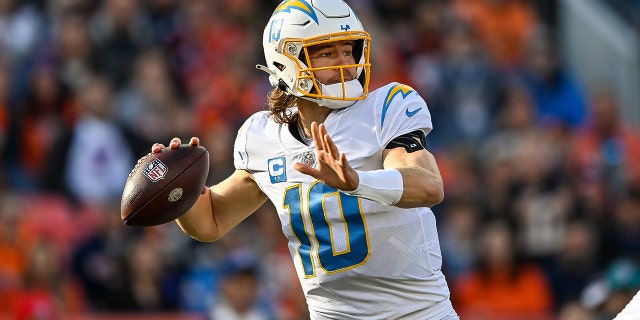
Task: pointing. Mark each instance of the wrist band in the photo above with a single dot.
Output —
(384, 186)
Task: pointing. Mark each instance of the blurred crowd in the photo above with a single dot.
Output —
(541, 218)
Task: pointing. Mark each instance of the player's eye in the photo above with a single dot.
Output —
(322, 53)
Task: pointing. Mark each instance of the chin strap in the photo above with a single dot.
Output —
(273, 78)
(352, 89)
(265, 69)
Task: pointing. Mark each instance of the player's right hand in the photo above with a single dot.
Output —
(174, 143)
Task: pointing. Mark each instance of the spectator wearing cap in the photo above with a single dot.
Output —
(239, 289)
(502, 284)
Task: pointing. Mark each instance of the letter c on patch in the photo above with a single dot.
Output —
(277, 169)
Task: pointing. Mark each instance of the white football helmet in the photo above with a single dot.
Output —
(296, 25)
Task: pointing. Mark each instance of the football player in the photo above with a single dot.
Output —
(347, 170)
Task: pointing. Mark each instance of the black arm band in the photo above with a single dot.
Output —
(412, 141)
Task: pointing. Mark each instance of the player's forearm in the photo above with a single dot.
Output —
(198, 222)
(404, 187)
(422, 188)
(421, 181)
(223, 207)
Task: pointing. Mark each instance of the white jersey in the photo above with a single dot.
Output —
(355, 258)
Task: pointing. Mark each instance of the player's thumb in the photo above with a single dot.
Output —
(303, 168)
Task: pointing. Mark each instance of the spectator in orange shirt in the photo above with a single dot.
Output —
(605, 154)
(16, 242)
(503, 26)
(48, 291)
(43, 115)
(502, 286)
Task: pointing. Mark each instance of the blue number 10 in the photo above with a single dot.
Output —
(322, 228)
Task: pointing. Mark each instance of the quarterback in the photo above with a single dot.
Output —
(346, 169)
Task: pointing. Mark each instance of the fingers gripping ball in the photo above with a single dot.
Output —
(163, 186)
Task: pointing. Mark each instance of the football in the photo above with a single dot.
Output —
(162, 186)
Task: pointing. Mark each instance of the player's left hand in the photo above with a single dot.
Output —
(333, 168)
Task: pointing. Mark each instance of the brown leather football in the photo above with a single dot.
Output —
(163, 186)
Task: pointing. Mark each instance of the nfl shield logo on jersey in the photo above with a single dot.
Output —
(156, 170)
(307, 157)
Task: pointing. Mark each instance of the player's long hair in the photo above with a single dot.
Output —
(281, 106)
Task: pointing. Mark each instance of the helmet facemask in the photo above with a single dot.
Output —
(350, 88)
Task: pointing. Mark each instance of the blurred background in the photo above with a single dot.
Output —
(536, 112)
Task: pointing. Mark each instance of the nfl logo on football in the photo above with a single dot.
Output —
(156, 170)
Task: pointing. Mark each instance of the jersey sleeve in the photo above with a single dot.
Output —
(251, 142)
(240, 154)
(400, 110)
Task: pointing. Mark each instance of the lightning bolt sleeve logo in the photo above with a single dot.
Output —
(401, 89)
